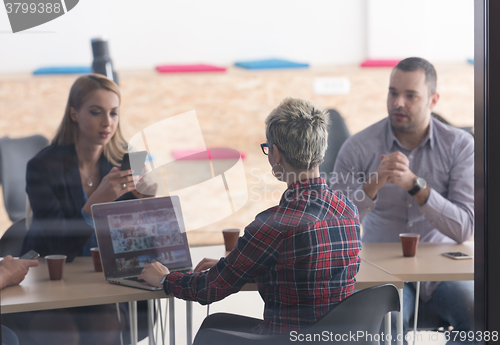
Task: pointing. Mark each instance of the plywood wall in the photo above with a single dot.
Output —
(231, 108)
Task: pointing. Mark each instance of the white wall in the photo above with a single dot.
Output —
(145, 33)
(149, 32)
(435, 29)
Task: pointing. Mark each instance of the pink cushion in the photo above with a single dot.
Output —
(213, 153)
(379, 63)
(189, 68)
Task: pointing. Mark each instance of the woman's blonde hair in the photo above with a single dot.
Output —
(300, 132)
(67, 133)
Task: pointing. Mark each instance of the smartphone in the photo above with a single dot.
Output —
(138, 161)
(457, 255)
(30, 255)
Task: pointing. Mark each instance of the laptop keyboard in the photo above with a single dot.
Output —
(135, 279)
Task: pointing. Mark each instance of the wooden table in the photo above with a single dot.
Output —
(80, 286)
(427, 265)
(368, 275)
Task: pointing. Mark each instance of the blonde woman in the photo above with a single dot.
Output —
(78, 170)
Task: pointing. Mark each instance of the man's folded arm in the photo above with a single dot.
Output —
(454, 215)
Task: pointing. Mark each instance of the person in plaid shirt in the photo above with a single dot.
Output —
(302, 253)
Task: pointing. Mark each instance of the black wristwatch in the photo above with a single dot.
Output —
(420, 183)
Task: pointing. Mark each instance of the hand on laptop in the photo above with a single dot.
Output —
(153, 273)
(205, 264)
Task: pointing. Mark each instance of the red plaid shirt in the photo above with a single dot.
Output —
(302, 253)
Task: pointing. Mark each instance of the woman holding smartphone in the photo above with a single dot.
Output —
(80, 168)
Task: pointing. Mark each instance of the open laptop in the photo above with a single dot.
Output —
(134, 233)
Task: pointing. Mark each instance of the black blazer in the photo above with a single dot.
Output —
(55, 192)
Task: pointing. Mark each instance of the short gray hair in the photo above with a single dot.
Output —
(299, 130)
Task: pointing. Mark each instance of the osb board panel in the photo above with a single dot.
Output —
(231, 108)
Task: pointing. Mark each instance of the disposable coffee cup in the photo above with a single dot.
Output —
(96, 256)
(55, 263)
(409, 243)
(230, 238)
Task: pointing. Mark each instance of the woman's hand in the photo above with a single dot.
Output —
(116, 183)
(112, 186)
(153, 273)
(205, 264)
(145, 187)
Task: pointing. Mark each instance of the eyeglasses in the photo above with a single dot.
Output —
(265, 148)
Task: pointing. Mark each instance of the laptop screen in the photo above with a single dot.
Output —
(134, 233)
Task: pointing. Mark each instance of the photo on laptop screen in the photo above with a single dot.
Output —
(134, 233)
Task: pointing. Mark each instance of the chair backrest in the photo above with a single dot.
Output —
(337, 134)
(12, 240)
(438, 117)
(363, 312)
(14, 156)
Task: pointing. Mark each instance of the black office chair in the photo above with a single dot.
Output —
(443, 120)
(12, 240)
(362, 311)
(14, 156)
(337, 134)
